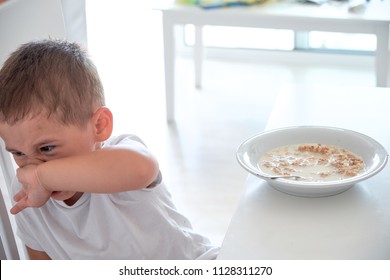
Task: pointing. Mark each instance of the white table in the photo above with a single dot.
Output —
(269, 224)
(278, 14)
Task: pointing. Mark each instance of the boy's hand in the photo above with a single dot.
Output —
(32, 194)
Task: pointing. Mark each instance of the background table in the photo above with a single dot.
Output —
(269, 224)
(278, 14)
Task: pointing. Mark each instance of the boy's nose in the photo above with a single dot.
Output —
(35, 160)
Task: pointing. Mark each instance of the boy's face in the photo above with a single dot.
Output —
(37, 140)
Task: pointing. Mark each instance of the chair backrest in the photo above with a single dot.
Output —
(25, 20)
(8, 249)
(22, 21)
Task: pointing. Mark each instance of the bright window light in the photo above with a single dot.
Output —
(342, 41)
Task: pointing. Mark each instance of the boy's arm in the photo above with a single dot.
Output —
(108, 170)
(114, 169)
(37, 255)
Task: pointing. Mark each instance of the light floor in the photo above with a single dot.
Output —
(197, 152)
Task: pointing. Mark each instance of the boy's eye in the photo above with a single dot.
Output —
(47, 149)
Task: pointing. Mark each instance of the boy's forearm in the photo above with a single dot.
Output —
(103, 171)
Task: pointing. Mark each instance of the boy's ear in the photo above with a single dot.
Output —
(103, 124)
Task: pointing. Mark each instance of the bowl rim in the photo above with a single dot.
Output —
(304, 184)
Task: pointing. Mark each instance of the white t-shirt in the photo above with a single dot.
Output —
(141, 224)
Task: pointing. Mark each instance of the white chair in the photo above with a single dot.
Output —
(8, 249)
(75, 19)
(22, 21)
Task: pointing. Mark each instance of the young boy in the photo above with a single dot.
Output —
(80, 193)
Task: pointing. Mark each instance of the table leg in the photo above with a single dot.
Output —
(198, 55)
(382, 59)
(169, 66)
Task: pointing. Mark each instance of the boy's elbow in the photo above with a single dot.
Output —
(138, 169)
(149, 173)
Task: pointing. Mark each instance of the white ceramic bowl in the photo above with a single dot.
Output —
(373, 153)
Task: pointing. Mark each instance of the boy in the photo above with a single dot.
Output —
(80, 193)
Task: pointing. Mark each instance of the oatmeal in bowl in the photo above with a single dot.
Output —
(326, 160)
(312, 162)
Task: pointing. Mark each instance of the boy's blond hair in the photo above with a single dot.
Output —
(52, 77)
